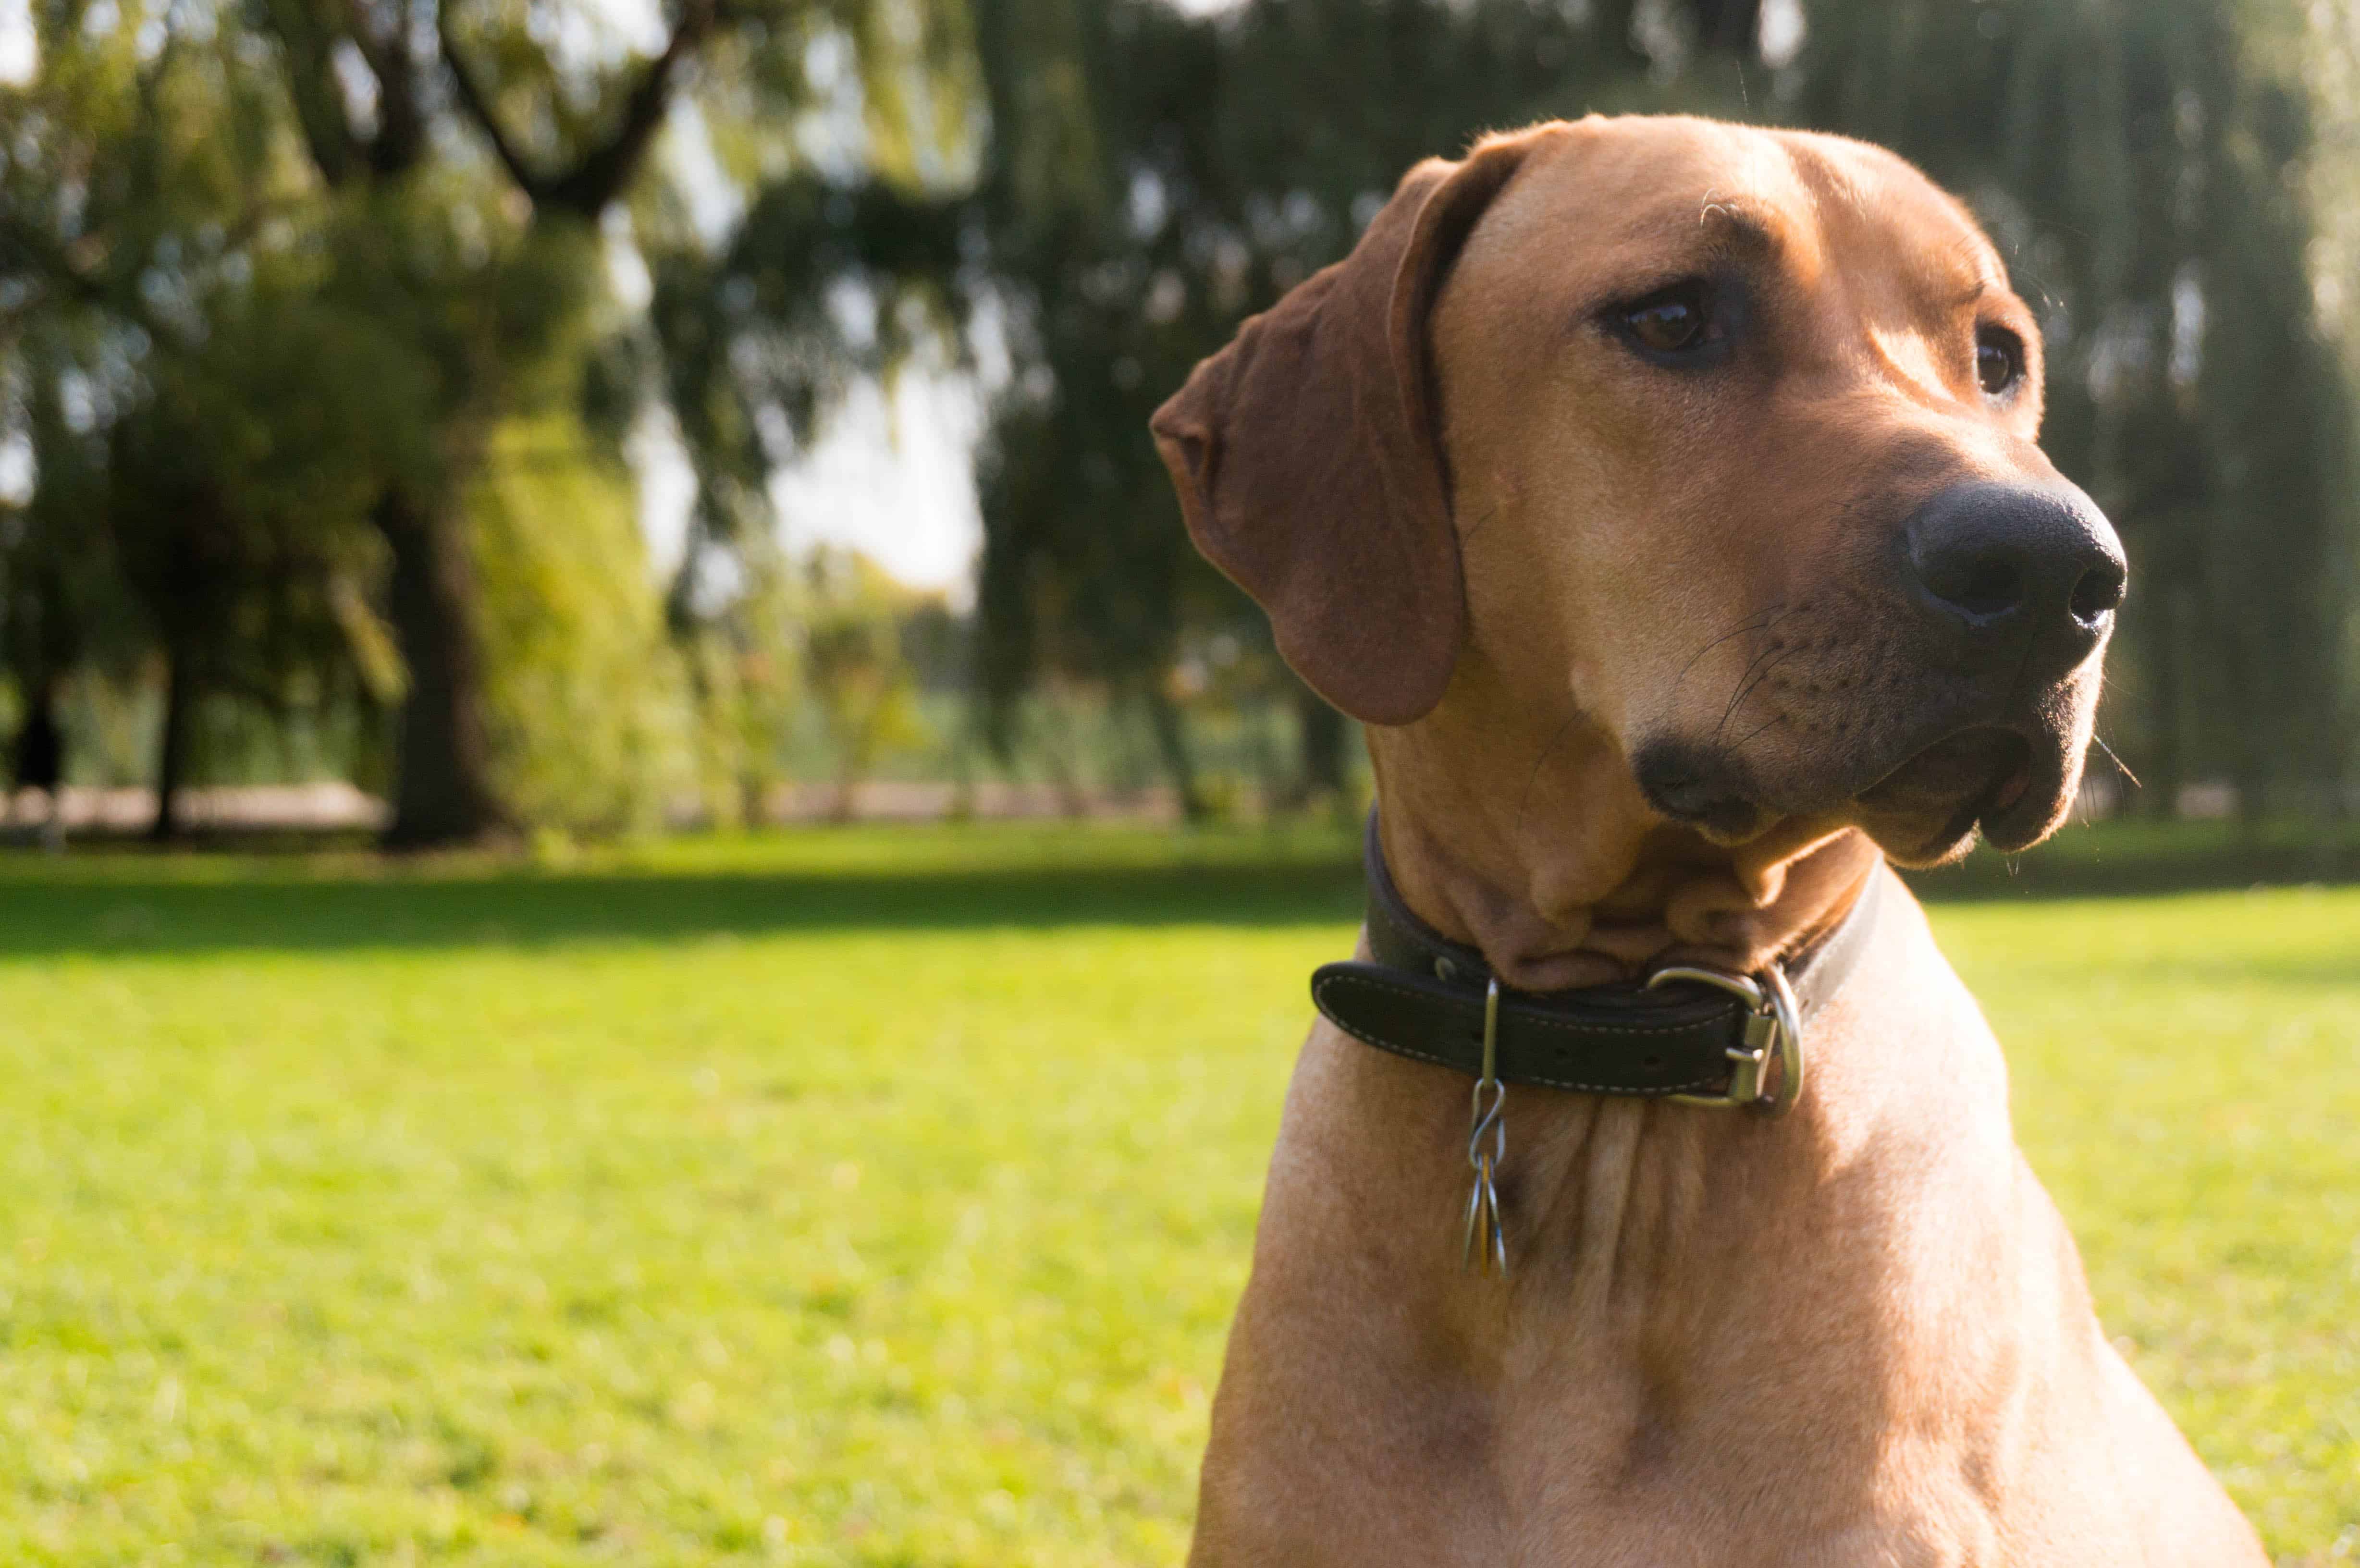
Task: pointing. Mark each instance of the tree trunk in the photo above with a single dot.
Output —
(1165, 718)
(40, 750)
(2251, 769)
(40, 759)
(1324, 736)
(2167, 771)
(844, 807)
(442, 791)
(1729, 25)
(172, 748)
(1073, 800)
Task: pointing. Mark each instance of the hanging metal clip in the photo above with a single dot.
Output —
(1485, 1251)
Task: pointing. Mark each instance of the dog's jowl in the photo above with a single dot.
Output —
(1665, 496)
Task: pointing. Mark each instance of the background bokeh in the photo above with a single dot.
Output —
(354, 351)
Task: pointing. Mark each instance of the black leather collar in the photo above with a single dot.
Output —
(1424, 996)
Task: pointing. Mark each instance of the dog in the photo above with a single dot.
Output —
(1663, 496)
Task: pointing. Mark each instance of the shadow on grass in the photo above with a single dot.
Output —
(132, 914)
(129, 904)
(2133, 860)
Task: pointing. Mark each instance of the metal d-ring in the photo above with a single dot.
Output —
(1485, 1248)
(1774, 1029)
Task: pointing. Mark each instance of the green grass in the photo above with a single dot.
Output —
(880, 1198)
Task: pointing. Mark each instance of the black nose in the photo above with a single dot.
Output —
(2013, 566)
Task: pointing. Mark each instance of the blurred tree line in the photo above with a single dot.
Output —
(327, 329)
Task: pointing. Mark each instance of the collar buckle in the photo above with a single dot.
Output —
(1774, 1032)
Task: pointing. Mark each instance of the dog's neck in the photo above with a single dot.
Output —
(1544, 854)
(1556, 868)
(1632, 1227)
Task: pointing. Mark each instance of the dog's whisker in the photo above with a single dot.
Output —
(1760, 620)
(1756, 731)
(1744, 688)
(1757, 684)
(2100, 741)
(1751, 681)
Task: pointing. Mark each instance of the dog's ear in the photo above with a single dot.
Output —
(1309, 463)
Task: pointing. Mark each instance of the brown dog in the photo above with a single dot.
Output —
(1662, 493)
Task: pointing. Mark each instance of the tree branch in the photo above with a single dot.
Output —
(45, 258)
(318, 104)
(401, 129)
(478, 106)
(374, 48)
(600, 174)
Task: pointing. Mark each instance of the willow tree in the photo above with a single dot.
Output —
(1152, 177)
(2319, 47)
(492, 263)
(141, 166)
(2174, 180)
(445, 173)
(237, 516)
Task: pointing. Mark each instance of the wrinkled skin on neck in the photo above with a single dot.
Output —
(1516, 827)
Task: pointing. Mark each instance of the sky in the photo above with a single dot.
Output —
(894, 477)
(891, 471)
(18, 54)
(891, 475)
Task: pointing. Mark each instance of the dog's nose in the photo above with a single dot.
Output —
(2017, 568)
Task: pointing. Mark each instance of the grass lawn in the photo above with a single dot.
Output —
(882, 1198)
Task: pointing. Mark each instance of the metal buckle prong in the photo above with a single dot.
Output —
(1773, 1028)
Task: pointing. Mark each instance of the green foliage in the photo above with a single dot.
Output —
(2324, 55)
(587, 696)
(885, 1185)
(859, 676)
(744, 664)
(2177, 186)
(292, 263)
(754, 339)
(239, 490)
(275, 277)
(1155, 177)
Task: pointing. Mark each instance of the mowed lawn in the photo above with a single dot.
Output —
(882, 1198)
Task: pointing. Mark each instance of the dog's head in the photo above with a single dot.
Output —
(1720, 440)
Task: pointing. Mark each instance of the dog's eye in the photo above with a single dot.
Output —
(1674, 320)
(1999, 360)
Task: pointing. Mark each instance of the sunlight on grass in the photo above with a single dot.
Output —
(807, 1200)
(2184, 1084)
